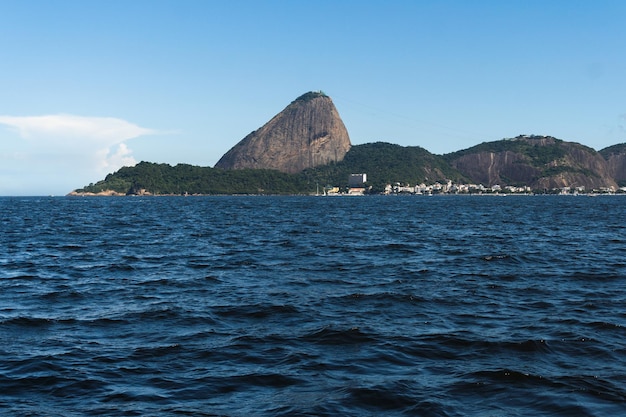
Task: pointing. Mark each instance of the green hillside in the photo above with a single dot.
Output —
(618, 149)
(542, 162)
(537, 155)
(183, 178)
(386, 163)
(383, 163)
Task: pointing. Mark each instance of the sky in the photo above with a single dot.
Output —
(87, 87)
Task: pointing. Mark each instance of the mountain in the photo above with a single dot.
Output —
(306, 146)
(616, 159)
(383, 162)
(306, 134)
(386, 163)
(541, 162)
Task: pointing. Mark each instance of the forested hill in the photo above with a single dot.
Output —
(164, 179)
(540, 162)
(386, 163)
(382, 162)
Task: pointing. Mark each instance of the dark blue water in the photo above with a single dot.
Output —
(239, 306)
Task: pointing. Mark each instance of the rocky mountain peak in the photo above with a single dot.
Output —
(307, 133)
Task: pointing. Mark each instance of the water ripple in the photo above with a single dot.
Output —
(236, 306)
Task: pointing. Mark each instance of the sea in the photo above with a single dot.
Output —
(313, 306)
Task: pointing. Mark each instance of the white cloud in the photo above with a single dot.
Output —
(84, 148)
(67, 128)
(122, 156)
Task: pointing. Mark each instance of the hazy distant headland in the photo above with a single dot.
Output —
(306, 148)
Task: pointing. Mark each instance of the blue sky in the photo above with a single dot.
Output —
(88, 86)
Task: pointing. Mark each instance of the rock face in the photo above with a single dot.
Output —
(542, 162)
(616, 159)
(307, 133)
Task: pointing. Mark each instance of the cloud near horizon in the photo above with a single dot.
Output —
(81, 146)
(68, 127)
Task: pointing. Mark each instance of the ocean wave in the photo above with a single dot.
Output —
(310, 306)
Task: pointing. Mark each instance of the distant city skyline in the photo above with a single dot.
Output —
(91, 86)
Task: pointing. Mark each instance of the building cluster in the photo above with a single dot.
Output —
(357, 186)
(450, 188)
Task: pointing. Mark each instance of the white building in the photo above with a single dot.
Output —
(357, 180)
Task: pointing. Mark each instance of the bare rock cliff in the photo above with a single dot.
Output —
(616, 159)
(307, 133)
(617, 167)
(492, 168)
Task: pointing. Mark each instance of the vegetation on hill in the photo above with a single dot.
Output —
(538, 154)
(618, 149)
(189, 179)
(310, 96)
(546, 154)
(384, 163)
